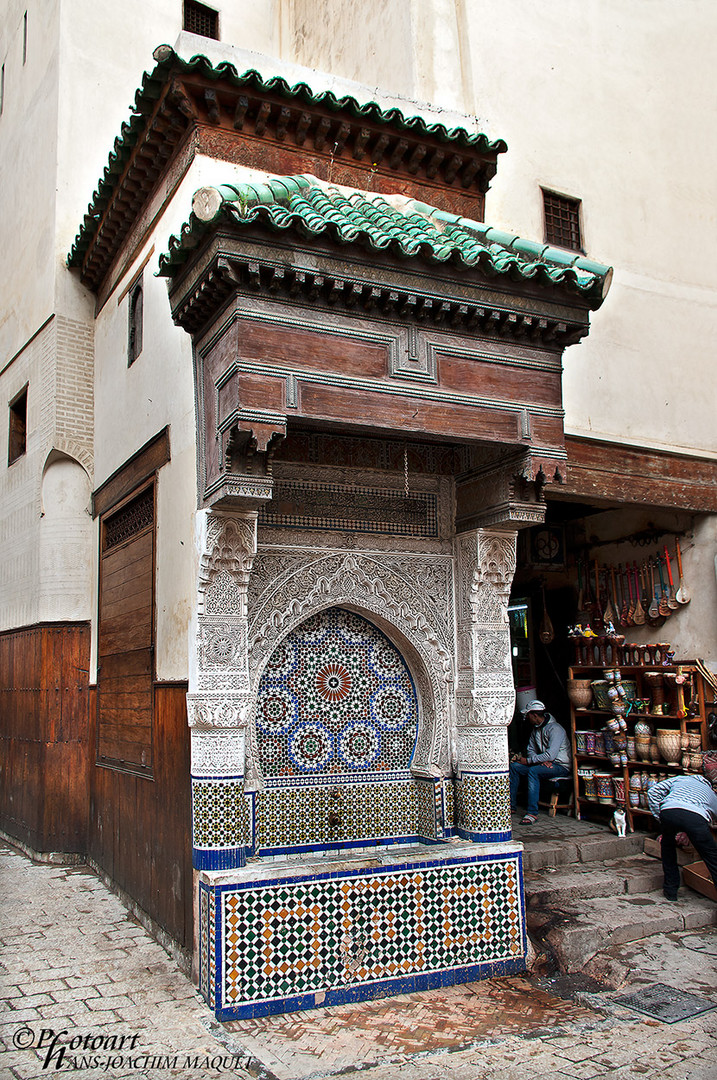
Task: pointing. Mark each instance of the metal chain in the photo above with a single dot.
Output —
(405, 468)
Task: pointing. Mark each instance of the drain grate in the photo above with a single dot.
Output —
(665, 1003)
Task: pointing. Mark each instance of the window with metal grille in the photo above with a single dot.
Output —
(17, 441)
(562, 221)
(199, 19)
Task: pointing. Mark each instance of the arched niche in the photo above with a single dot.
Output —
(334, 736)
(66, 548)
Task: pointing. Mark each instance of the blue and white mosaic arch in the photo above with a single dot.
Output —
(336, 698)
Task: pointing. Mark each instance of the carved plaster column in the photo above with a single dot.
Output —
(219, 702)
(485, 696)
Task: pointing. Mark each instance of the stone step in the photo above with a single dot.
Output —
(571, 850)
(575, 930)
(552, 885)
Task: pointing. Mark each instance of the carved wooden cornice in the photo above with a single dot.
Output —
(376, 290)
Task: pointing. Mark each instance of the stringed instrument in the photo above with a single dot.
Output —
(664, 597)
(627, 606)
(672, 601)
(610, 616)
(653, 610)
(638, 612)
(616, 596)
(681, 596)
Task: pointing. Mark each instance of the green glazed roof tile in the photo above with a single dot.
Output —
(402, 226)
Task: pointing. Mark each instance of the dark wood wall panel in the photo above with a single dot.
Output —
(140, 827)
(44, 732)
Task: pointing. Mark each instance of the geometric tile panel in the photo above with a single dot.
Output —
(298, 936)
(311, 816)
(449, 791)
(335, 698)
(483, 803)
(430, 810)
(221, 814)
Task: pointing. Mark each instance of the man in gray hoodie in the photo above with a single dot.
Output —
(547, 756)
(685, 804)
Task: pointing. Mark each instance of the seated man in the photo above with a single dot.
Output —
(548, 755)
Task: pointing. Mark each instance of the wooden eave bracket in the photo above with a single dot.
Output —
(194, 305)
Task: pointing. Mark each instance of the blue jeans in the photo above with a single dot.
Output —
(534, 774)
(678, 820)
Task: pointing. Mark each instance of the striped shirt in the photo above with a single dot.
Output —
(693, 793)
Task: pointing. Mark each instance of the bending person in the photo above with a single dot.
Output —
(685, 804)
(547, 756)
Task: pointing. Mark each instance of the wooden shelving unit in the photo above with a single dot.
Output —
(596, 719)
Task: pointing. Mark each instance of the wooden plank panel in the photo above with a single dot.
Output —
(396, 412)
(137, 585)
(127, 634)
(120, 560)
(300, 348)
(509, 382)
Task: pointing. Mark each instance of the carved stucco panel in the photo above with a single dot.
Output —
(483, 748)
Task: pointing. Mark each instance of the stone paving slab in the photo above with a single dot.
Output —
(65, 938)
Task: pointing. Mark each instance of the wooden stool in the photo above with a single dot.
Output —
(560, 786)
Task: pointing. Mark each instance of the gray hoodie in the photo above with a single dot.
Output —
(549, 742)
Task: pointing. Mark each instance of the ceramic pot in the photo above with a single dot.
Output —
(600, 744)
(696, 761)
(643, 728)
(642, 745)
(609, 741)
(684, 741)
(589, 742)
(600, 686)
(603, 783)
(695, 740)
(580, 695)
(618, 786)
(668, 742)
(590, 789)
(631, 750)
(580, 742)
(654, 749)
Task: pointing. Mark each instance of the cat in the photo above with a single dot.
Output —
(620, 821)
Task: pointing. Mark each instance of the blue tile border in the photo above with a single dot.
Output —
(408, 984)
(339, 845)
(219, 858)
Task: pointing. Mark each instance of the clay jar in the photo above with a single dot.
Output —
(580, 693)
(668, 742)
(642, 745)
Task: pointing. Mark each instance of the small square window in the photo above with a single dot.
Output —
(17, 441)
(134, 335)
(200, 19)
(562, 221)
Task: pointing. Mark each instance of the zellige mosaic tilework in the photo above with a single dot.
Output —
(336, 697)
(348, 933)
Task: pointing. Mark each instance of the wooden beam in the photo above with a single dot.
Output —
(606, 472)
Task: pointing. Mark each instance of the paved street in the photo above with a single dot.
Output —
(86, 990)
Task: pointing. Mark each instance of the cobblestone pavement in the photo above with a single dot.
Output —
(81, 977)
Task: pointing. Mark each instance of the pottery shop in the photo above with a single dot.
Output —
(608, 630)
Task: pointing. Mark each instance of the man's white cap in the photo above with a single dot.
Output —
(533, 706)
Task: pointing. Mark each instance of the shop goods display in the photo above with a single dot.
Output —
(646, 722)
